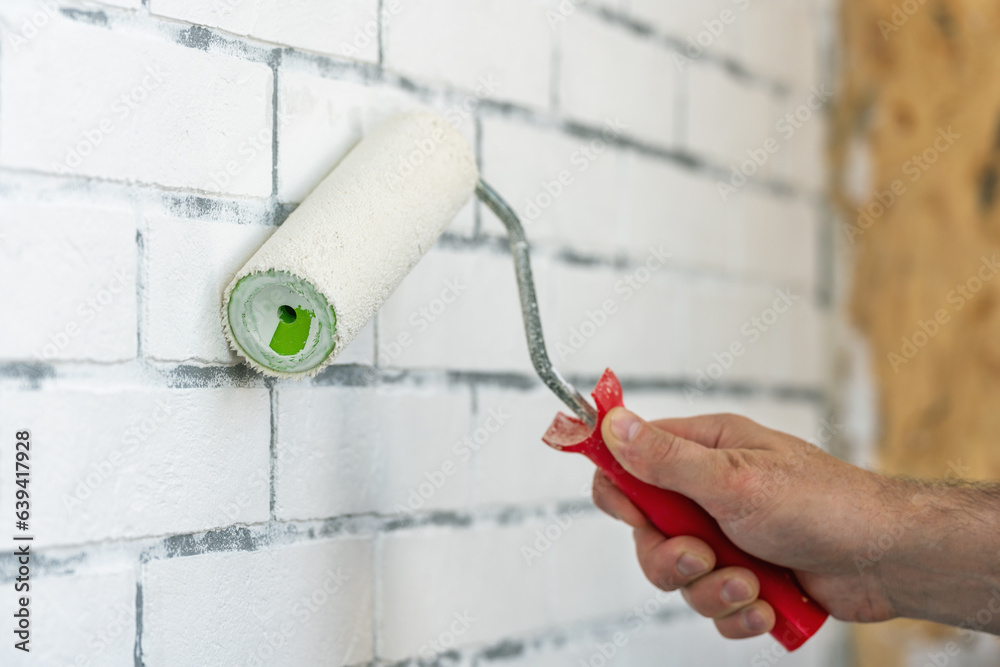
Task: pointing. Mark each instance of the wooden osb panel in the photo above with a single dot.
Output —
(912, 73)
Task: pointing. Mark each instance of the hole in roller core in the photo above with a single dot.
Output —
(286, 314)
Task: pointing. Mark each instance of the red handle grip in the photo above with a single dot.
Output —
(798, 616)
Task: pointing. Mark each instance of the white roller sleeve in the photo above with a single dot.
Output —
(354, 238)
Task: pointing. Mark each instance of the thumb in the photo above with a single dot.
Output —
(659, 457)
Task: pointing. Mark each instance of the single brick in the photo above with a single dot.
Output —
(345, 450)
(490, 48)
(306, 604)
(74, 268)
(483, 588)
(187, 460)
(342, 28)
(609, 75)
(77, 619)
(87, 101)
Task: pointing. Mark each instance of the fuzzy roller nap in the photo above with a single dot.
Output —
(324, 273)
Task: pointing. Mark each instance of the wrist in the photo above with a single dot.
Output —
(940, 556)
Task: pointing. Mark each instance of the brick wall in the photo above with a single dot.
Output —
(400, 506)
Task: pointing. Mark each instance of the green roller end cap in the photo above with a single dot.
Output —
(292, 332)
(281, 322)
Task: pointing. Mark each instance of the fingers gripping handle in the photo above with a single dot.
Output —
(798, 616)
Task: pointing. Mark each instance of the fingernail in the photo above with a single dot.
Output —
(625, 425)
(689, 565)
(754, 620)
(736, 590)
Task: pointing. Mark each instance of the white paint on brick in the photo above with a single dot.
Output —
(792, 59)
(726, 116)
(188, 264)
(610, 75)
(602, 321)
(515, 466)
(78, 619)
(346, 450)
(134, 462)
(596, 548)
(668, 205)
(475, 573)
(341, 28)
(136, 109)
(565, 190)
(307, 604)
(481, 329)
(477, 45)
(779, 239)
(71, 277)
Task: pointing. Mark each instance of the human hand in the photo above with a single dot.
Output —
(774, 495)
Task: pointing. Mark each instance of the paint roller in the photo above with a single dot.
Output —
(311, 288)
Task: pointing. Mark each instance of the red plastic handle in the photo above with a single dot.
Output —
(798, 616)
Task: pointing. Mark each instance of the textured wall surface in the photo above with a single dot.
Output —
(916, 162)
(667, 160)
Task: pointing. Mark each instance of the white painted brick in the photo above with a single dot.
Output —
(779, 239)
(713, 26)
(726, 116)
(482, 329)
(644, 331)
(348, 450)
(792, 59)
(679, 642)
(515, 466)
(188, 264)
(79, 619)
(477, 571)
(306, 604)
(799, 419)
(137, 462)
(342, 28)
(596, 572)
(564, 189)
(500, 49)
(74, 268)
(681, 210)
(320, 120)
(144, 110)
(609, 75)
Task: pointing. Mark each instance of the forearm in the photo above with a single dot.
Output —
(943, 563)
